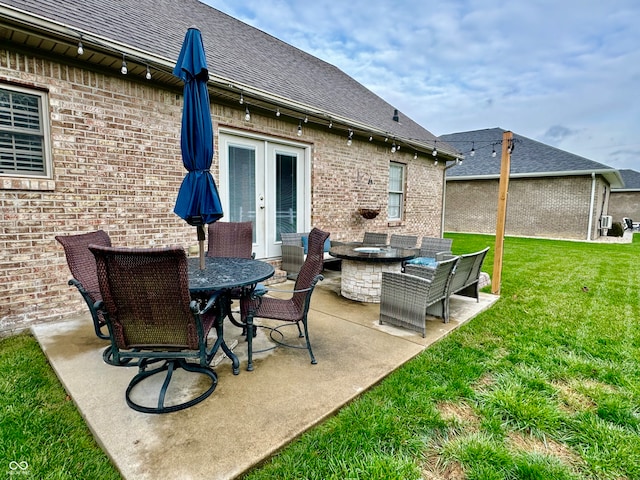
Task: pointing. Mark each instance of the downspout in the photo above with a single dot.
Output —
(591, 202)
(444, 192)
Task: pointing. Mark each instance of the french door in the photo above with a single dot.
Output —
(266, 182)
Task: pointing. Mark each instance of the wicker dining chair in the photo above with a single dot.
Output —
(230, 239)
(152, 318)
(82, 265)
(403, 241)
(294, 309)
(374, 238)
(406, 298)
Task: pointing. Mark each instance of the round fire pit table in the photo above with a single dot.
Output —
(362, 267)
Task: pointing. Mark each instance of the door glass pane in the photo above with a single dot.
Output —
(242, 185)
(286, 194)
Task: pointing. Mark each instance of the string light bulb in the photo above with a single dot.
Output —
(299, 129)
(473, 149)
(393, 147)
(349, 138)
(241, 99)
(306, 119)
(124, 70)
(278, 112)
(493, 152)
(371, 138)
(247, 115)
(148, 74)
(330, 123)
(415, 155)
(80, 48)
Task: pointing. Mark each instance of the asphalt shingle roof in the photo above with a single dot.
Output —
(529, 157)
(235, 51)
(631, 180)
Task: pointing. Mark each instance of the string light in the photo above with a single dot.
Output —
(435, 150)
(247, 115)
(278, 112)
(349, 141)
(124, 69)
(330, 123)
(473, 149)
(80, 48)
(306, 119)
(393, 147)
(148, 74)
(371, 138)
(241, 99)
(415, 155)
(299, 128)
(493, 152)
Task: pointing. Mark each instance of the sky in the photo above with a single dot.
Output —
(566, 73)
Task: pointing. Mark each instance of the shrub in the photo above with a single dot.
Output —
(616, 230)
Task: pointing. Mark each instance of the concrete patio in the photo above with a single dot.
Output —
(250, 416)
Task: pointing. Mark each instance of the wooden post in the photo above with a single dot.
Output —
(505, 168)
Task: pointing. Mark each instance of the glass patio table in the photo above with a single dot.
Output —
(227, 274)
(362, 267)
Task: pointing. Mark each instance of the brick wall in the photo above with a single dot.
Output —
(556, 207)
(624, 204)
(117, 166)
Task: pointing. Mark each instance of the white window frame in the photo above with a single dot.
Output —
(397, 193)
(43, 133)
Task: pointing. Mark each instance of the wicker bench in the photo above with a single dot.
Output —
(466, 277)
(293, 253)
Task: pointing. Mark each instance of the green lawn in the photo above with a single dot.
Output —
(544, 385)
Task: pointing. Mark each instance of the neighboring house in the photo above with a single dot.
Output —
(552, 193)
(298, 143)
(625, 201)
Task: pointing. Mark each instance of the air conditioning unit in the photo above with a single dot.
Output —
(606, 221)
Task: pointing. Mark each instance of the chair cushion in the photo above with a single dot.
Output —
(428, 261)
(305, 245)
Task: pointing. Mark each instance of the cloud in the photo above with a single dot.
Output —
(557, 133)
(564, 72)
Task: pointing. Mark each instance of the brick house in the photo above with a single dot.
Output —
(552, 193)
(625, 201)
(298, 143)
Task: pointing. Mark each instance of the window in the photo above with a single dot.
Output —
(396, 191)
(24, 132)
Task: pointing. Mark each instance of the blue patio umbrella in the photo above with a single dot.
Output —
(198, 201)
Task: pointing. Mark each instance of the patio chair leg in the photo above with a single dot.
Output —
(306, 334)
(169, 366)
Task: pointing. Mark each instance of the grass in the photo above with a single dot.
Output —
(544, 385)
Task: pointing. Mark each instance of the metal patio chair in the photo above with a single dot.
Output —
(151, 318)
(82, 265)
(293, 310)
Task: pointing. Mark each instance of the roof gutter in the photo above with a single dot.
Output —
(613, 176)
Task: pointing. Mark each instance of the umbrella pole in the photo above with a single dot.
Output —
(201, 243)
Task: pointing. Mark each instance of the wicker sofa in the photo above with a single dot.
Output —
(466, 277)
(293, 252)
